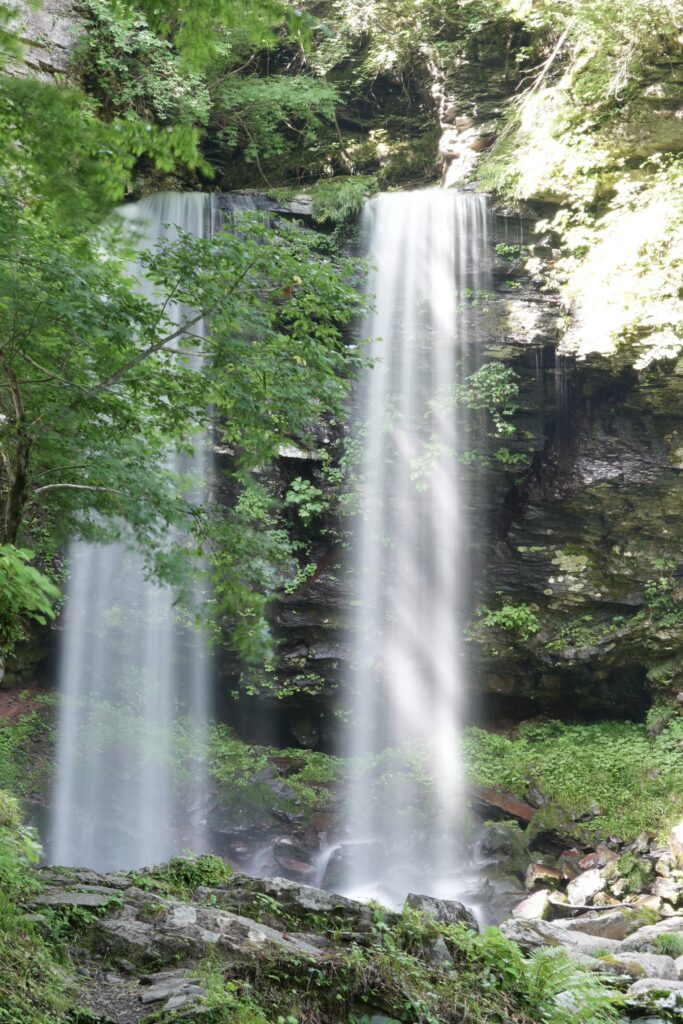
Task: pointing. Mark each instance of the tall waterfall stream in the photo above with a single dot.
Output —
(411, 560)
(135, 682)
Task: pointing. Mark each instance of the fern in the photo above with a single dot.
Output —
(569, 994)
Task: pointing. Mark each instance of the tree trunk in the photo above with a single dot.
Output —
(17, 465)
(17, 489)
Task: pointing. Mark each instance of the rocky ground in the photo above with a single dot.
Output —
(138, 952)
(148, 951)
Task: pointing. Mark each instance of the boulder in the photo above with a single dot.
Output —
(70, 898)
(530, 935)
(444, 911)
(679, 967)
(657, 994)
(605, 924)
(598, 858)
(502, 804)
(644, 938)
(668, 889)
(178, 986)
(676, 844)
(585, 886)
(649, 903)
(568, 862)
(499, 839)
(540, 876)
(534, 907)
(245, 895)
(664, 864)
(644, 965)
(185, 931)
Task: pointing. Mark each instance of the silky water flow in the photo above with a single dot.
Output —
(134, 680)
(412, 561)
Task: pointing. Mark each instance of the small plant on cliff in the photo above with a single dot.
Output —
(306, 498)
(339, 201)
(493, 388)
(518, 620)
(663, 600)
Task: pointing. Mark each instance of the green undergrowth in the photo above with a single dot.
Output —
(633, 779)
(246, 774)
(33, 984)
(21, 771)
(414, 970)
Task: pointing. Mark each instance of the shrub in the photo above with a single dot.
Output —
(182, 875)
(670, 944)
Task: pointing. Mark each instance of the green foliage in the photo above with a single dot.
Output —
(243, 772)
(59, 288)
(281, 124)
(585, 631)
(636, 779)
(307, 499)
(669, 944)
(32, 984)
(197, 25)
(182, 875)
(508, 251)
(135, 73)
(19, 771)
(637, 873)
(550, 973)
(518, 620)
(393, 972)
(339, 201)
(303, 574)
(584, 133)
(664, 601)
(26, 594)
(493, 388)
(395, 39)
(508, 458)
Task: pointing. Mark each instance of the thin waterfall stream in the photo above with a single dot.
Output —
(411, 560)
(134, 678)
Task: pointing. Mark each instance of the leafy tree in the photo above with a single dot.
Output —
(97, 382)
(284, 125)
(195, 24)
(25, 594)
(133, 72)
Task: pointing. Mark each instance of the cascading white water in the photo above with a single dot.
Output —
(134, 679)
(412, 558)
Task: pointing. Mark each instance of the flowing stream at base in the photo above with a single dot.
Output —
(134, 680)
(412, 559)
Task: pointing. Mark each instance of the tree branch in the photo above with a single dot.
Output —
(75, 487)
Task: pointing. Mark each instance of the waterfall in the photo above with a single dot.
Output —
(412, 561)
(134, 678)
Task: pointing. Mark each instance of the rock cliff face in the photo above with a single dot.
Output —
(590, 539)
(48, 35)
(581, 527)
